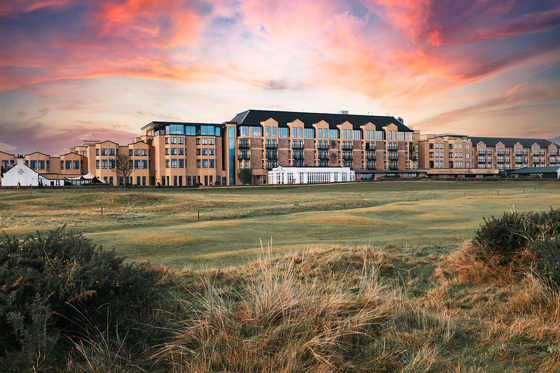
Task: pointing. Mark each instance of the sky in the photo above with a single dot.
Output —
(74, 70)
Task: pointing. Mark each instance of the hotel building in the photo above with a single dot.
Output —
(187, 154)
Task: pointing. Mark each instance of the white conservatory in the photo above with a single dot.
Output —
(310, 175)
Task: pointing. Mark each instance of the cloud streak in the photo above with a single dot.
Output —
(412, 56)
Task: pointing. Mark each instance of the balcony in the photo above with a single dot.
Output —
(297, 155)
(322, 145)
(271, 145)
(323, 155)
(370, 156)
(346, 146)
(346, 155)
(244, 144)
(271, 156)
(393, 157)
(297, 145)
(243, 156)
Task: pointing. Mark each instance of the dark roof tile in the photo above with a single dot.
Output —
(255, 117)
(510, 142)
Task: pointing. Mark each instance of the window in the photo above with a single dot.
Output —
(137, 164)
(112, 152)
(173, 163)
(180, 140)
(190, 130)
(104, 163)
(181, 151)
(357, 135)
(211, 151)
(283, 132)
(198, 163)
(400, 136)
(144, 164)
(166, 151)
(181, 163)
(167, 140)
(256, 132)
(308, 133)
(211, 141)
(173, 151)
(198, 141)
(244, 131)
(103, 151)
(333, 134)
(33, 165)
(211, 163)
(205, 141)
(111, 163)
(197, 151)
(167, 163)
(204, 151)
(205, 163)
(96, 163)
(379, 135)
(174, 140)
(176, 129)
(96, 151)
(137, 152)
(144, 152)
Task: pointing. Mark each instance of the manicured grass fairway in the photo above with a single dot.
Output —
(162, 224)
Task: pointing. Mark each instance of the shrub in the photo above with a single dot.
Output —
(509, 235)
(63, 284)
(546, 264)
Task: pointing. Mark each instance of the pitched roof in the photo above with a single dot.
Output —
(510, 142)
(536, 170)
(255, 117)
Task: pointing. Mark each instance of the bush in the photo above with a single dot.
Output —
(508, 236)
(546, 265)
(63, 284)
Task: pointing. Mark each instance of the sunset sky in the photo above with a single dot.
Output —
(73, 70)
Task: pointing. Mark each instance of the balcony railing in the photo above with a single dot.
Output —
(297, 145)
(346, 146)
(244, 144)
(271, 145)
(243, 156)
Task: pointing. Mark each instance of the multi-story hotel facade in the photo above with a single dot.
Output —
(188, 154)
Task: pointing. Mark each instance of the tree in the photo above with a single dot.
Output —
(123, 166)
(245, 176)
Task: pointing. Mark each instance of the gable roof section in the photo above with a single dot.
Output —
(255, 117)
(535, 170)
(510, 142)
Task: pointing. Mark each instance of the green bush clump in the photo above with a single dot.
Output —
(546, 263)
(514, 232)
(63, 285)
